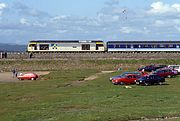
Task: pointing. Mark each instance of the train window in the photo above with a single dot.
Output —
(136, 46)
(116, 46)
(99, 45)
(44, 47)
(172, 46)
(33, 45)
(128, 46)
(141, 46)
(122, 46)
(153, 46)
(149, 46)
(166, 46)
(144, 46)
(110, 46)
(85, 47)
(160, 46)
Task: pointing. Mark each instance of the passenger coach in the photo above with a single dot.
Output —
(143, 46)
(66, 46)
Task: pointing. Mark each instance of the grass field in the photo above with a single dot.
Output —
(56, 97)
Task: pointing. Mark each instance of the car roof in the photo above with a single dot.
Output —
(150, 75)
(131, 74)
(173, 65)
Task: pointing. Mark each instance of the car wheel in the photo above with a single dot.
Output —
(169, 76)
(146, 84)
(115, 83)
(32, 79)
(160, 83)
(122, 83)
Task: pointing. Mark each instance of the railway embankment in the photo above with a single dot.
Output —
(119, 56)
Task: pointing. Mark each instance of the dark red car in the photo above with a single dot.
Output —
(27, 76)
(165, 73)
(126, 79)
(151, 68)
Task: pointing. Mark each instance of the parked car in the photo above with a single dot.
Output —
(175, 67)
(126, 79)
(165, 72)
(27, 76)
(150, 80)
(173, 70)
(125, 73)
(151, 68)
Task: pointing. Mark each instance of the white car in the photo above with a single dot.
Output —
(175, 67)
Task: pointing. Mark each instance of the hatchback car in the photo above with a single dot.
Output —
(165, 73)
(126, 79)
(27, 76)
(150, 80)
(175, 67)
(126, 73)
(151, 68)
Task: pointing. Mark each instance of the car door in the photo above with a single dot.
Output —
(154, 79)
(151, 79)
(161, 73)
(129, 79)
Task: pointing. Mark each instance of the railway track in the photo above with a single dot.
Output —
(94, 55)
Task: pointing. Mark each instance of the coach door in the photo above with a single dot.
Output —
(85, 46)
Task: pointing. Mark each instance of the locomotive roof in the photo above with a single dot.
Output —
(143, 41)
(65, 41)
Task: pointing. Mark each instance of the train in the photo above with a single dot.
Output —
(102, 46)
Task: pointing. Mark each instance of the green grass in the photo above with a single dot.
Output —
(55, 65)
(55, 98)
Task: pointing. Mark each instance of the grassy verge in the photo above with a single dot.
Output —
(53, 98)
(56, 65)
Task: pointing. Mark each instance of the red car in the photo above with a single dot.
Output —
(165, 73)
(27, 76)
(126, 79)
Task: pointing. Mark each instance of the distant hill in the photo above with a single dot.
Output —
(12, 47)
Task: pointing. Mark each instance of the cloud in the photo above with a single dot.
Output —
(24, 21)
(24, 10)
(162, 8)
(112, 2)
(2, 7)
(131, 30)
(126, 30)
(177, 7)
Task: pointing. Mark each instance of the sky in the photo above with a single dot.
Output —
(25, 20)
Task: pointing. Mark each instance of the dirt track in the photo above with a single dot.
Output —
(7, 76)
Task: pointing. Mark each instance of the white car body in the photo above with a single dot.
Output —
(175, 67)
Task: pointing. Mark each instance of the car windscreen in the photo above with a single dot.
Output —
(144, 77)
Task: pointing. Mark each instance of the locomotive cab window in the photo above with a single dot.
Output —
(33, 46)
(99, 45)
